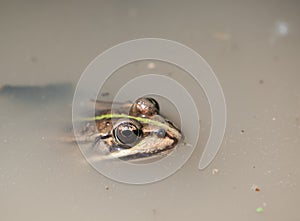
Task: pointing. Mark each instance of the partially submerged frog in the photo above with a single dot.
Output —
(131, 131)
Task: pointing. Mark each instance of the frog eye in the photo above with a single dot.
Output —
(145, 106)
(127, 133)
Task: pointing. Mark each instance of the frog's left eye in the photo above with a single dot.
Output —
(127, 133)
(144, 106)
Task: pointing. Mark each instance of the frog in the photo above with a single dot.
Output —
(129, 131)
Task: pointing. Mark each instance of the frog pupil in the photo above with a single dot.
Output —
(127, 134)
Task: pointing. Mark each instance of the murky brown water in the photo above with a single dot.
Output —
(253, 48)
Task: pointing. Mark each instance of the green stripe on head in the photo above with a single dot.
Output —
(141, 119)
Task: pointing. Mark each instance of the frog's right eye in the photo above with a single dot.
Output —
(127, 133)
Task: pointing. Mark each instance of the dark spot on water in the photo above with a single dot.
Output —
(261, 81)
(38, 94)
(242, 131)
(234, 47)
(34, 59)
(154, 212)
(104, 94)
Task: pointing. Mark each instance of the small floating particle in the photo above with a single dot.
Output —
(259, 209)
(215, 171)
(242, 131)
(151, 65)
(106, 187)
(221, 36)
(261, 81)
(274, 118)
(255, 188)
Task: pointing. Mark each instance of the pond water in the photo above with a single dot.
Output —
(253, 48)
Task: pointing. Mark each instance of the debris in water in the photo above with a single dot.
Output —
(215, 171)
(221, 36)
(255, 188)
(259, 209)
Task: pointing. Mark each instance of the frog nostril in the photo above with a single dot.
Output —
(161, 133)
